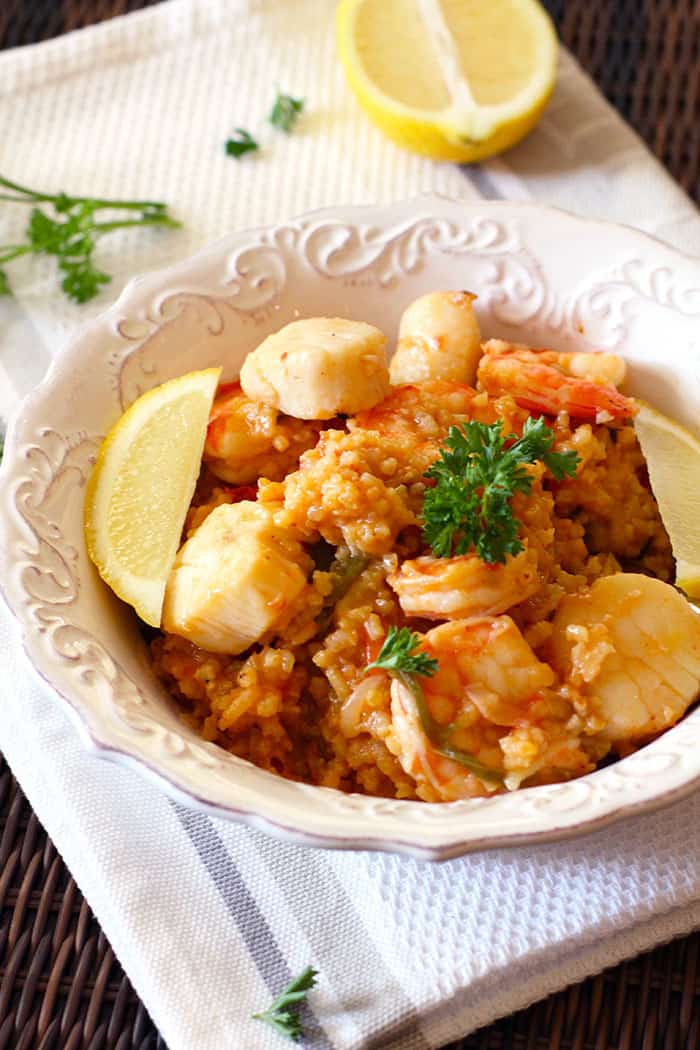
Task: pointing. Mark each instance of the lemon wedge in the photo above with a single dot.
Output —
(141, 486)
(673, 461)
(457, 80)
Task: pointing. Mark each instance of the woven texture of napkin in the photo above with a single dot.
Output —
(209, 919)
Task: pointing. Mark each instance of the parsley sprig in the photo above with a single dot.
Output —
(400, 656)
(285, 111)
(70, 230)
(240, 143)
(478, 472)
(283, 1013)
(283, 115)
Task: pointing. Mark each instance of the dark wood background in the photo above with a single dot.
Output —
(60, 985)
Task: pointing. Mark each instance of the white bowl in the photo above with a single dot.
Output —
(541, 276)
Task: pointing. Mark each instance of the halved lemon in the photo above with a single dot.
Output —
(141, 486)
(454, 79)
(673, 461)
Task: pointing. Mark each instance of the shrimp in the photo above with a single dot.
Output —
(631, 645)
(488, 678)
(439, 338)
(247, 439)
(453, 588)
(438, 778)
(582, 384)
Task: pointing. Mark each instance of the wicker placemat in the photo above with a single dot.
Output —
(60, 985)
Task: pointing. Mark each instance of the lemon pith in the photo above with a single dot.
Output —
(672, 454)
(141, 486)
(456, 80)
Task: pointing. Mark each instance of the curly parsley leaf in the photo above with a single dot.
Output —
(285, 112)
(399, 653)
(82, 280)
(240, 143)
(283, 1013)
(477, 474)
(71, 233)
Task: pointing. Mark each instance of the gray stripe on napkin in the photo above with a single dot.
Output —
(244, 909)
(330, 923)
(481, 181)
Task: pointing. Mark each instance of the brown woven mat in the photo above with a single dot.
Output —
(60, 986)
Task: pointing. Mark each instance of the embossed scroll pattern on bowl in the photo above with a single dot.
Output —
(540, 275)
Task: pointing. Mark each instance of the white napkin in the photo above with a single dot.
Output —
(209, 919)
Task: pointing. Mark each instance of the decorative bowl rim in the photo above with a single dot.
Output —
(153, 286)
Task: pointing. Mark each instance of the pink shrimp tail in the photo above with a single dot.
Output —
(583, 400)
(540, 386)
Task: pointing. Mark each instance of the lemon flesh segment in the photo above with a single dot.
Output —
(673, 462)
(141, 487)
(454, 79)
